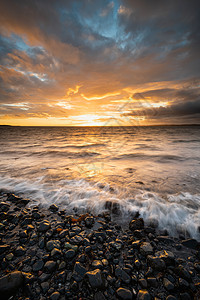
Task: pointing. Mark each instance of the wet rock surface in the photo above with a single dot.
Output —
(44, 256)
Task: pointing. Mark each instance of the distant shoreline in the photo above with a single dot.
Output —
(61, 126)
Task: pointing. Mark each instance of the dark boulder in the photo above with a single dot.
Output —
(10, 283)
(136, 224)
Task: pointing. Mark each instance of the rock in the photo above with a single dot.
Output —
(183, 283)
(4, 206)
(53, 244)
(165, 239)
(53, 207)
(105, 262)
(44, 226)
(136, 244)
(75, 230)
(36, 215)
(4, 248)
(124, 294)
(143, 295)
(185, 296)
(70, 246)
(45, 286)
(171, 297)
(55, 296)
(13, 198)
(44, 277)
(99, 296)
(168, 284)
(113, 207)
(136, 224)
(10, 283)
(152, 281)
(56, 253)
(89, 221)
(70, 254)
(50, 266)
(122, 275)
(116, 245)
(95, 278)
(190, 243)
(80, 269)
(101, 236)
(97, 264)
(156, 263)
(167, 256)
(20, 251)
(38, 266)
(143, 283)
(9, 256)
(146, 248)
(183, 272)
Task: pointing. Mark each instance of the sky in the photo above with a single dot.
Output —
(99, 63)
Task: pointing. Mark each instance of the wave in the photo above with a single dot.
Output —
(161, 158)
(44, 153)
(77, 146)
(177, 213)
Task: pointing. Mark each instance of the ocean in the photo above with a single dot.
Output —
(153, 170)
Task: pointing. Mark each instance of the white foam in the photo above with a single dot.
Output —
(176, 213)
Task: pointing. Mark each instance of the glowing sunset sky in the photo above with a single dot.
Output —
(92, 62)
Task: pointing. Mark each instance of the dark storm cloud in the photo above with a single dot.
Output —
(48, 48)
(185, 104)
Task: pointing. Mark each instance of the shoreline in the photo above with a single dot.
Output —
(46, 254)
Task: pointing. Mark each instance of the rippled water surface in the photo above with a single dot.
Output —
(153, 170)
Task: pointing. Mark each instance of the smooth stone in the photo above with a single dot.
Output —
(183, 283)
(168, 284)
(55, 296)
(44, 226)
(9, 256)
(53, 244)
(53, 207)
(10, 283)
(20, 251)
(38, 265)
(165, 239)
(89, 221)
(171, 297)
(183, 272)
(99, 296)
(124, 294)
(143, 283)
(146, 248)
(156, 263)
(185, 296)
(4, 206)
(44, 277)
(4, 248)
(152, 281)
(95, 278)
(190, 243)
(70, 254)
(136, 224)
(80, 269)
(45, 286)
(143, 295)
(70, 246)
(167, 256)
(50, 266)
(56, 253)
(97, 264)
(122, 275)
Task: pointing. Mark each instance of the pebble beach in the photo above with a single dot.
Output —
(47, 254)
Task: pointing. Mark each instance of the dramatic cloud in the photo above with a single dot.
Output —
(62, 62)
